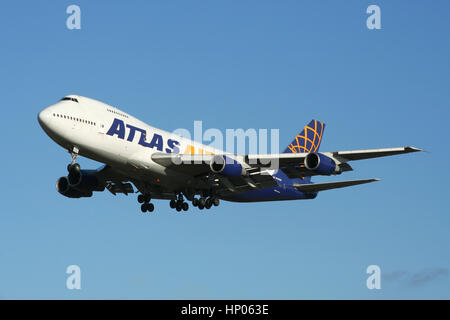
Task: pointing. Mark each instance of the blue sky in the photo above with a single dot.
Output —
(231, 64)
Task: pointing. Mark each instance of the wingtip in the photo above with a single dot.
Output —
(413, 149)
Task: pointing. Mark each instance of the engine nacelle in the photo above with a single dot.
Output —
(79, 183)
(320, 163)
(84, 180)
(63, 187)
(226, 166)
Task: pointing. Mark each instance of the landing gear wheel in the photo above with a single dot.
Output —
(202, 201)
(141, 198)
(144, 207)
(216, 202)
(195, 202)
(150, 207)
(185, 206)
(179, 205)
(200, 206)
(208, 203)
(173, 204)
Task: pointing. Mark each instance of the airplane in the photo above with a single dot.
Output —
(162, 165)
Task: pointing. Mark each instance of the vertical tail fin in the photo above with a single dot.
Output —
(308, 140)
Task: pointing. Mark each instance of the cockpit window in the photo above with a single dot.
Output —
(70, 99)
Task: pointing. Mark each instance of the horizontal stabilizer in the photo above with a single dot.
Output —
(315, 187)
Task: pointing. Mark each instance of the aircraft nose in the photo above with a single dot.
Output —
(44, 117)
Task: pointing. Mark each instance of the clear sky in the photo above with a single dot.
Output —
(231, 64)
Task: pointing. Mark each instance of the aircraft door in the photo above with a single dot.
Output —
(101, 127)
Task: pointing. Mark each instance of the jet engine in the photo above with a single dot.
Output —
(63, 187)
(226, 166)
(320, 163)
(83, 179)
(79, 183)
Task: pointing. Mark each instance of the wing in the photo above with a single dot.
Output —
(199, 167)
(316, 187)
(293, 164)
(372, 153)
(256, 168)
(191, 164)
(296, 158)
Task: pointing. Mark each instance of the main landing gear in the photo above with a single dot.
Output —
(207, 203)
(179, 204)
(201, 203)
(146, 206)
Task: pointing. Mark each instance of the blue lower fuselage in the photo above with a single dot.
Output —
(284, 191)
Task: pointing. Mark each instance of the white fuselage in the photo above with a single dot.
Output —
(106, 134)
